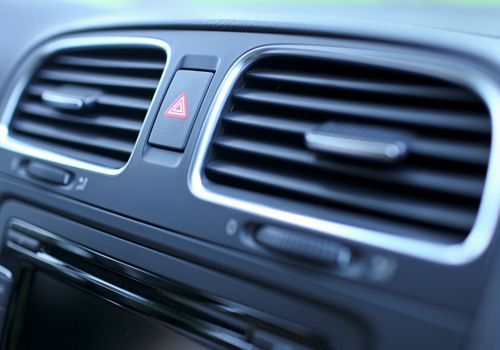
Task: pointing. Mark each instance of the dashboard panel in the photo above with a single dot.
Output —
(342, 286)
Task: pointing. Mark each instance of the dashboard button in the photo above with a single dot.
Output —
(179, 109)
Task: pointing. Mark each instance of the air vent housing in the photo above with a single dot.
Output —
(431, 189)
(88, 102)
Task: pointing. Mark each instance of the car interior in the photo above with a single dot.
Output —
(252, 175)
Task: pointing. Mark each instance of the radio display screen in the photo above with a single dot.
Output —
(60, 316)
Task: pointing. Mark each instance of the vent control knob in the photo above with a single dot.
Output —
(48, 173)
(303, 247)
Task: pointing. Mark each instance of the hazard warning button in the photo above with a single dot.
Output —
(179, 109)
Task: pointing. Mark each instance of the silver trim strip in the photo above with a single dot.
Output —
(9, 143)
(443, 67)
(5, 272)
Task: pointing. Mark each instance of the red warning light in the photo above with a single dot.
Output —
(178, 109)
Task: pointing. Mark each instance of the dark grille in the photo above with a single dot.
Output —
(260, 143)
(122, 80)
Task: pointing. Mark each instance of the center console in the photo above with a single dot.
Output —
(66, 295)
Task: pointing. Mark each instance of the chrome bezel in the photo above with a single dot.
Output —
(437, 65)
(29, 67)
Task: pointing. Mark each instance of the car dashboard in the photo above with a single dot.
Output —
(249, 177)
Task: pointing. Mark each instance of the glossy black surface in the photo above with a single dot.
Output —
(217, 323)
(59, 316)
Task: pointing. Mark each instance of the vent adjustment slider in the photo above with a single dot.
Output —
(352, 140)
(70, 97)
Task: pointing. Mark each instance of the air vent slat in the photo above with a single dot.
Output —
(83, 77)
(349, 139)
(269, 122)
(465, 152)
(414, 177)
(109, 63)
(404, 208)
(73, 136)
(113, 100)
(98, 121)
(363, 85)
(424, 146)
(89, 103)
(124, 102)
(367, 111)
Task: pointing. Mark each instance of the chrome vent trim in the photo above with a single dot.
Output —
(452, 254)
(28, 69)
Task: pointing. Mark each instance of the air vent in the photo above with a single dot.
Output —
(356, 143)
(89, 103)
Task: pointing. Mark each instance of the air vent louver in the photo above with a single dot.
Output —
(435, 187)
(89, 103)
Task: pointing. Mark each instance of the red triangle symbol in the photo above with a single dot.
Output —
(179, 108)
